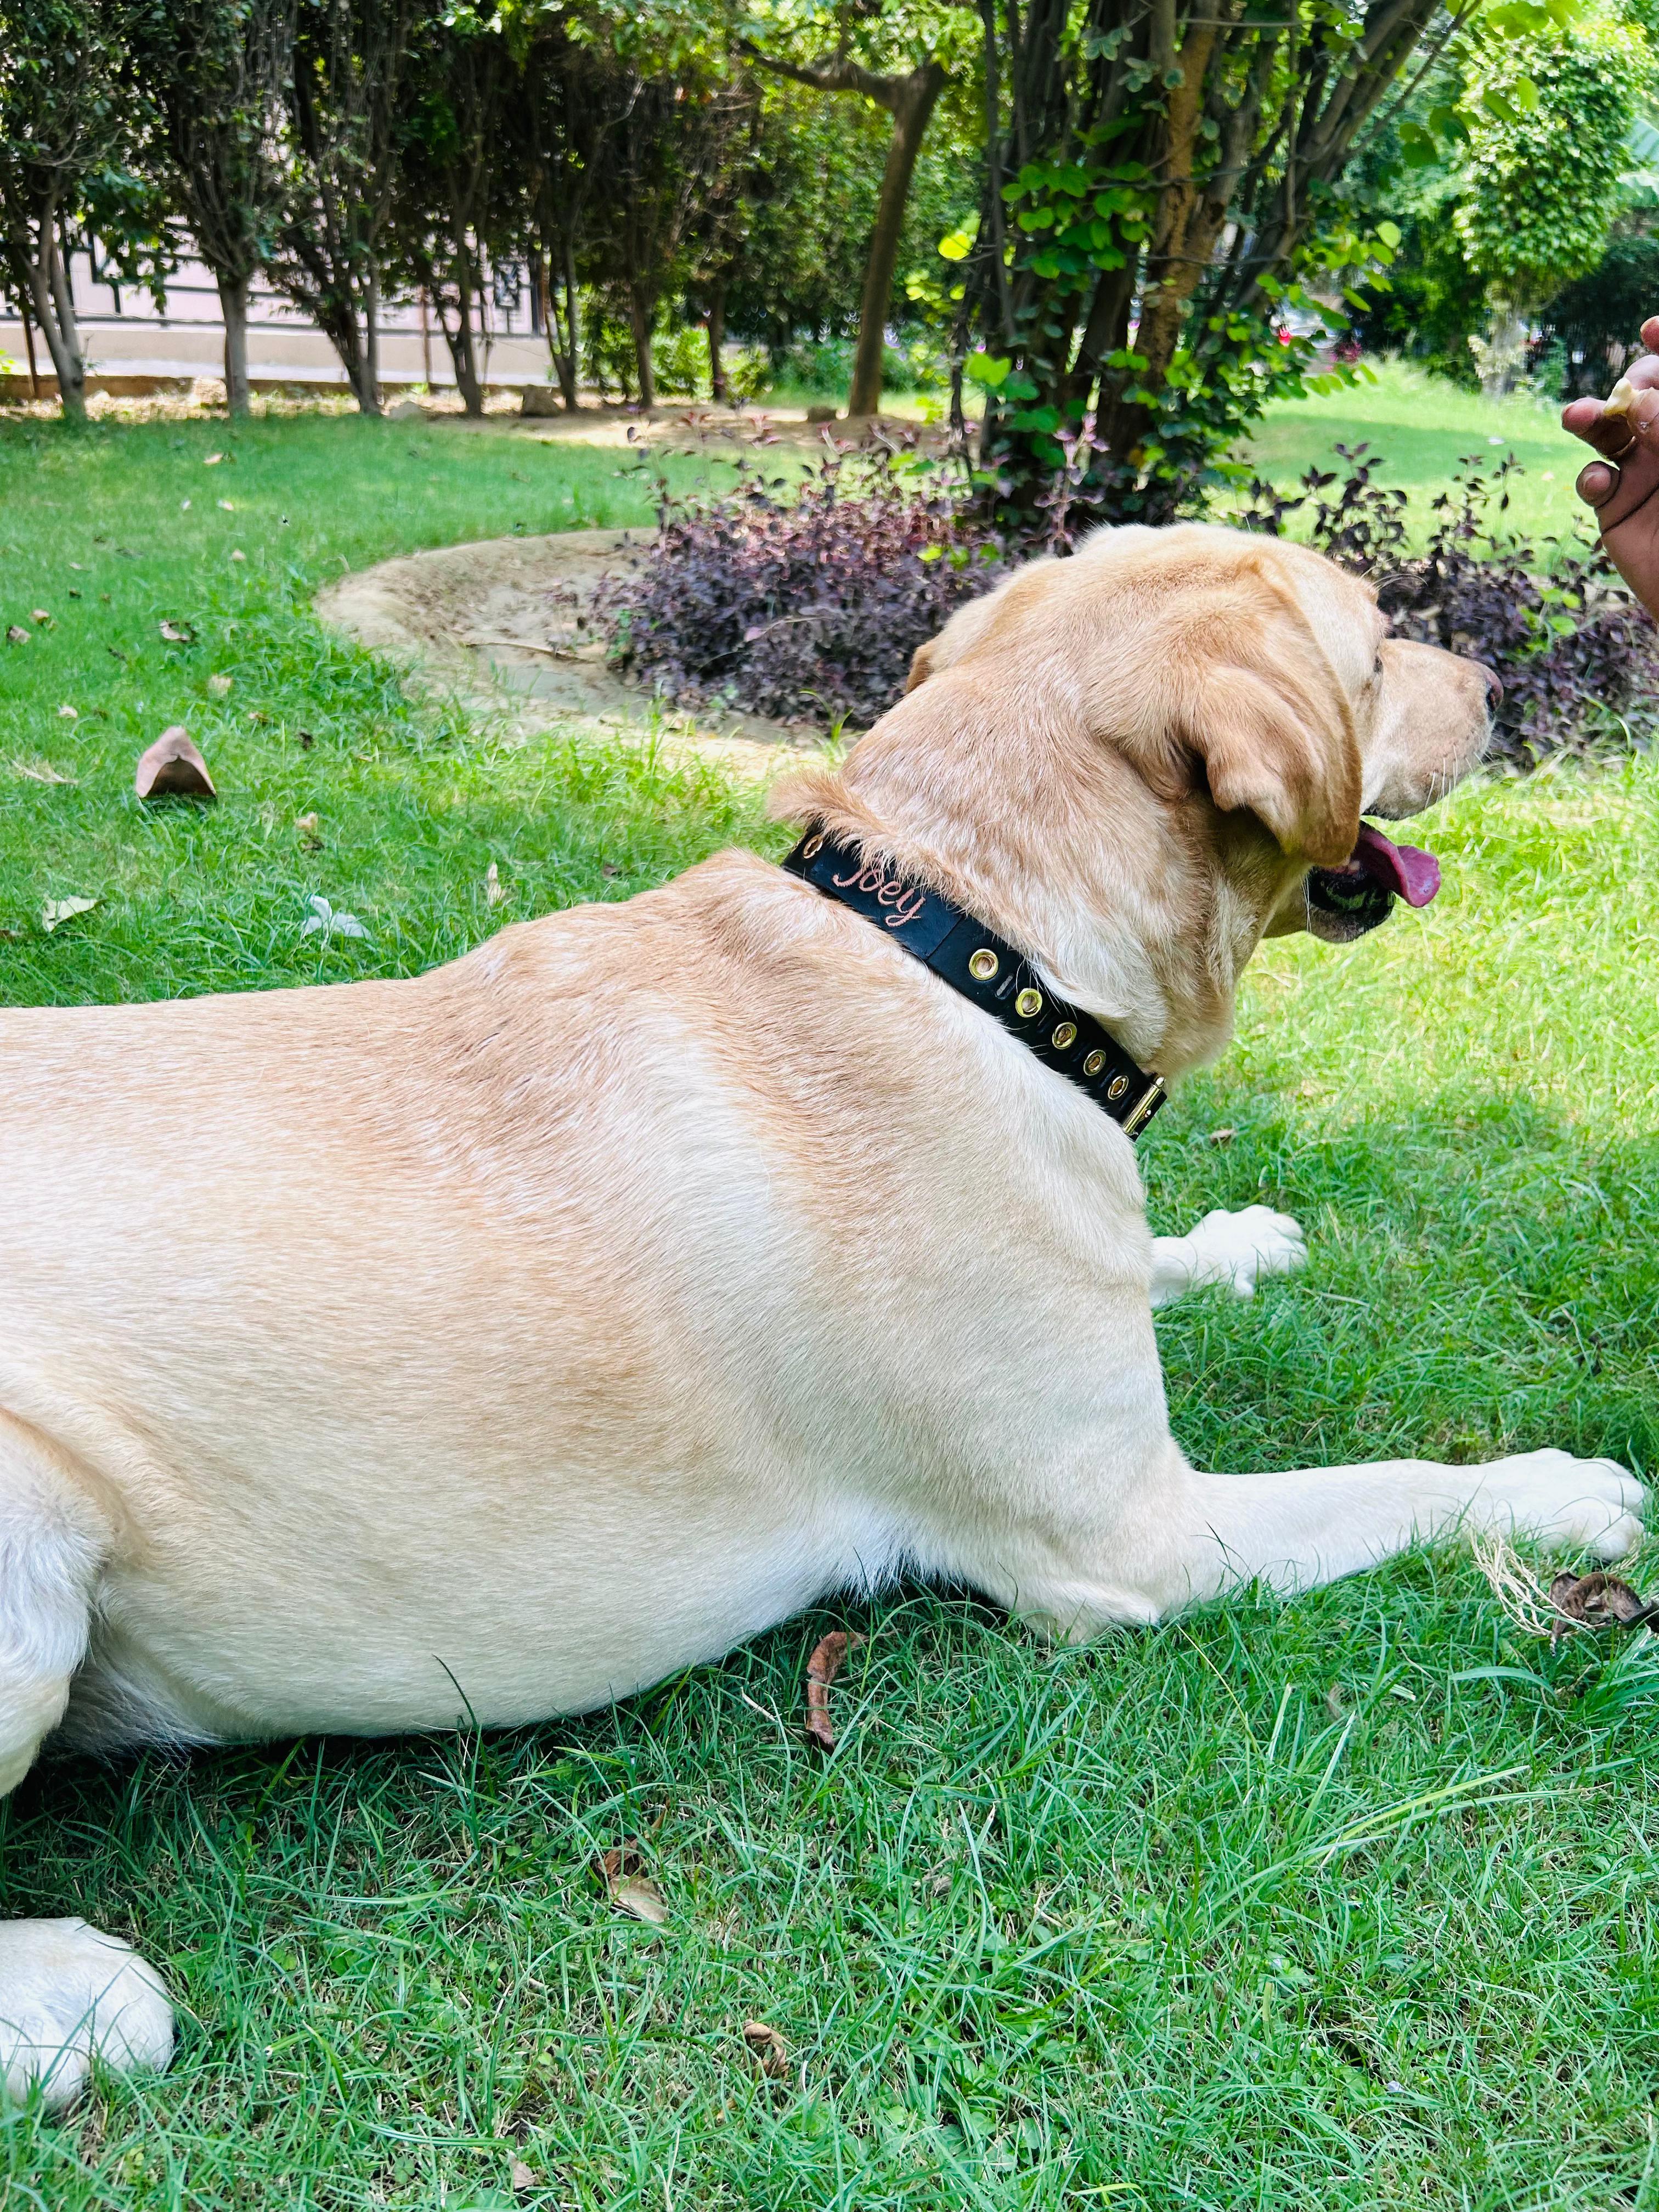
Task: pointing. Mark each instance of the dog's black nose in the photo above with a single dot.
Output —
(1494, 685)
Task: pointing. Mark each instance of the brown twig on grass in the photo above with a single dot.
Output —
(828, 1657)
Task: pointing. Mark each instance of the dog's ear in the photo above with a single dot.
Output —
(1279, 740)
(921, 665)
(1243, 699)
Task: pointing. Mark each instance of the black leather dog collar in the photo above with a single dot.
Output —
(985, 968)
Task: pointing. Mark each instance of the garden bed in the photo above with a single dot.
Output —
(502, 625)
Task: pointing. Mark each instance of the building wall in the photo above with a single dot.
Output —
(128, 335)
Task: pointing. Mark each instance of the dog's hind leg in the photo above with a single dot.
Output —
(66, 1992)
(1236, 1249)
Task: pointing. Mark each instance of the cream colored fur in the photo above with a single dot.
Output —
(492, 1344)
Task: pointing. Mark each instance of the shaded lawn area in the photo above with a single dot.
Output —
(1423, 426)
(1343, 1903)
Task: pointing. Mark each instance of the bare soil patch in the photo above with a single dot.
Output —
(500, 624)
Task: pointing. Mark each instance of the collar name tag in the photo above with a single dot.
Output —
(985, 968)
(917, 917)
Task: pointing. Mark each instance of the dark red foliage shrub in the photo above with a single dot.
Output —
(1578, 654)
(803, 599)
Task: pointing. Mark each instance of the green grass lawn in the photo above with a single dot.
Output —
(1423, 426)
(1346, 1902)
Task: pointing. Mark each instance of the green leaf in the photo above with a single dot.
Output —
(986, 369)
(955, 245)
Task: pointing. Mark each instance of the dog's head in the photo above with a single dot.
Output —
(1148, 756)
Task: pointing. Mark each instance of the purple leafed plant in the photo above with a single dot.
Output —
(1578, 654)
(803, 599)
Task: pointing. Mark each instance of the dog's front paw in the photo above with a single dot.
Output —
(1240, 1249)
(67, 1991)
(1558, 1499)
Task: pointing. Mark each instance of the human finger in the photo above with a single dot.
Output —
(1596, 482)
(1612, 432)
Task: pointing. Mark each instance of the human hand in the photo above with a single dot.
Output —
(1621, 486)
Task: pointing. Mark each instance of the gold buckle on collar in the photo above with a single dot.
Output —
(1144, 1107)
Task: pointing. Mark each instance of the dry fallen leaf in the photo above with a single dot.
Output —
(212, 460)
(643, 1897)
(828, 1659)
(1571, 1603)
(16, 634)
(237, 554)
(219, 685)
(1598, 1600)
(310, 835)
(179, 633)
(41, 614)
(630, 1890)
(184, 507)
(492, 892)
(521, 2177)
(1222, 1136)
(68, 713)
(40, 771)
(768, 2049)
(57, 910)
(172, 768)
(228, 504)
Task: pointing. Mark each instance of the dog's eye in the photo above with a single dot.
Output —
(1376, 665)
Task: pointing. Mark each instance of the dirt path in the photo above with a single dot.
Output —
(498, 625)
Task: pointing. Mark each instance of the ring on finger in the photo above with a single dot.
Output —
(1629, 440)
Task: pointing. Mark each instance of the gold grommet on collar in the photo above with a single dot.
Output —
(811, 848)
(1117, 1086)
(983, 964)
(1028, 1003)
(1094, 1063)
(1065, 1036)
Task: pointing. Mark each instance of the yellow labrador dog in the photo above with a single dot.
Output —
(523, 1332)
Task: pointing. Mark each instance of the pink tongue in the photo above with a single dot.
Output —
(1406, 869)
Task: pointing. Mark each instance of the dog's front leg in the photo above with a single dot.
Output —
(1312, 1525)
(68, 1992)
(1178, 1536)
(1233, 1249)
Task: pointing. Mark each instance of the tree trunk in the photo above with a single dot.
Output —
(28, 341)
(717, 385)
(562, 361)
(336, 317)
(639, 322)
(465, 354)
(54, 311)
(369, 395)
(233, 301)
(570, 367)
(1179, 251)
(914, 102)
(462, 350)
